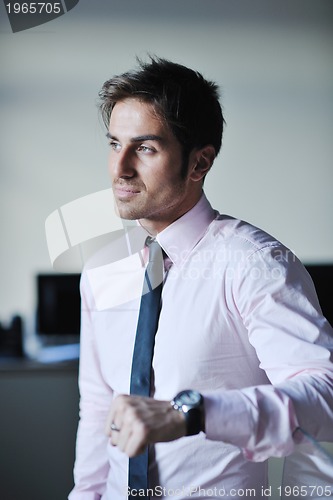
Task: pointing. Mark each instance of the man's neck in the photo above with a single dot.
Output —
(155, 226)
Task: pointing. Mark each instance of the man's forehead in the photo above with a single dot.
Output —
(137, 113)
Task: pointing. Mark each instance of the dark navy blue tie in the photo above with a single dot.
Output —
(143, 354)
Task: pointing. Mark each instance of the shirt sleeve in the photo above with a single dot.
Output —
(91, 464)
(276, 299)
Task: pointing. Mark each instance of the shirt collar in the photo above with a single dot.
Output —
(180, 237)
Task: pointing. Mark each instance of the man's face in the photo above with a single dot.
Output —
(145, 165)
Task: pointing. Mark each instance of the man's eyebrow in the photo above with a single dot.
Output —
(139, 138)
(147, 137)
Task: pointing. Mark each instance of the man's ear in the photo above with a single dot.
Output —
(201, 161)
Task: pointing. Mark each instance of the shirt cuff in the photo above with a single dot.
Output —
(227, 417)
(260, 420)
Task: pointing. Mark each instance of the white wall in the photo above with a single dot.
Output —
(273, 60)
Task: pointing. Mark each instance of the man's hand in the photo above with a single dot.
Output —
(138, 421)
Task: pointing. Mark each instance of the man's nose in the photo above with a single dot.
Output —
(121, 164)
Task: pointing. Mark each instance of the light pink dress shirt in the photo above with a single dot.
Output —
(240, 323)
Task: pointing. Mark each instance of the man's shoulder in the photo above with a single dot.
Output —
(235, 242)
(238, 233)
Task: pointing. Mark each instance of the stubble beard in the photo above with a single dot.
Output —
(152, 210)
(124, 211)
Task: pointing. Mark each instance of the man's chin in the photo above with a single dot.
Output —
(126, 213)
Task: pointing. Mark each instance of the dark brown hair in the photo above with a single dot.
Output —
(187, 102)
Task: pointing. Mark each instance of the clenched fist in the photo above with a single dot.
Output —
(135, 421)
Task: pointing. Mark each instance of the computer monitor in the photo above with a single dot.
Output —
(322, 276)
(58, 305)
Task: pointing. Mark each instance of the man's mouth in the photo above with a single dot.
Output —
(125, 192)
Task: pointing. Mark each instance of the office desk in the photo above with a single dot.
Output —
(38, 422)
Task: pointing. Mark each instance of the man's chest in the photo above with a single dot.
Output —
(200, 343)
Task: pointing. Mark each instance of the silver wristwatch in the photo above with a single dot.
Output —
(191, 404)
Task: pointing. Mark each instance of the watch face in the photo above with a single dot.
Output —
(191, 404)
(190, 398)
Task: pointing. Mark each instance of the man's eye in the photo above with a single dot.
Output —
(114, 145)
(145, 149)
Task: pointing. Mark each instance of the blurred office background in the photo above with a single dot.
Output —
(273, 61)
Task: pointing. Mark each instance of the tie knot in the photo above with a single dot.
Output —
(155, 251)
(149, 241)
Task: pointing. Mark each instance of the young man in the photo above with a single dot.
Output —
(240, 329)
